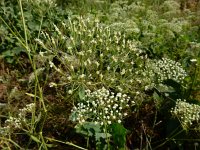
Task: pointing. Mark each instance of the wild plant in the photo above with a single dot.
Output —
(95, 57)
(107, 65)
(188, 114)
(93, 54)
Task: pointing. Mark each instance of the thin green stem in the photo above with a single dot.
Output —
(24, 24)
(11, 141)
(67, 143)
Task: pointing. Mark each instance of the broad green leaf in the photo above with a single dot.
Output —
(88, 128)
(98, 136)
(18, 50)
(79, 129)
(8, 53)
(91, 125)
(119, 134)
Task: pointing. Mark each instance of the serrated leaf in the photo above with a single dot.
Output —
(80, 129)
(93, 126)
(88, 128)
(8, 53)
(18, 50)
(98, 136)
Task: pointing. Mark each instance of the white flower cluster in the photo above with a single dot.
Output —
(103, 107)
(188, 114)
(168, 69)
(29, 108)
(16, 122)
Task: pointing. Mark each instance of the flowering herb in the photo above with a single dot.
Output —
(188, 114)
(102, 107)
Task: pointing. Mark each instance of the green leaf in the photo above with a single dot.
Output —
(95, 127)
(50, 145)
(165, 89)
(35, 139)
(10, 60)
(156, 96)
(34, 26)
(18, 50)
(157, 99)
(73, 116)
(79, 129)
(119, 134)
(8, 53)
(98, 136)
(88, 128)
(81, 93)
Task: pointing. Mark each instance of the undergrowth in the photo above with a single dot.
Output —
(99, 74)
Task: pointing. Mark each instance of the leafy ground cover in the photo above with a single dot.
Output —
(101, 74)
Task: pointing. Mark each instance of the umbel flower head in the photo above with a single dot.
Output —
(13, 123)
(162, 70)
(168, 69)
(188, 114)
(102, 107)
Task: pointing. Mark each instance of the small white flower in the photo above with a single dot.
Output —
(69, 78)
(70, 92)
(82, 76)
(97, 63)
(52, 84)
(119, 121)
(51, 64)
(119, 95)
(108, 68)
(123, 71)
(89, 83)
(41, 54)
(101, 76)
(125, 114)
(137, 93)
(193, 60)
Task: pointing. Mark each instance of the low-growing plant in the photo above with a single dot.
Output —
(113, 74)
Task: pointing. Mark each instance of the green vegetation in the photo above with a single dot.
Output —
(100, 74)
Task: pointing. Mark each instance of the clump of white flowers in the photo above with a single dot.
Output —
(169, 69)
(102, 107)
(188, 114)
(13, 123)
(164, 69)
